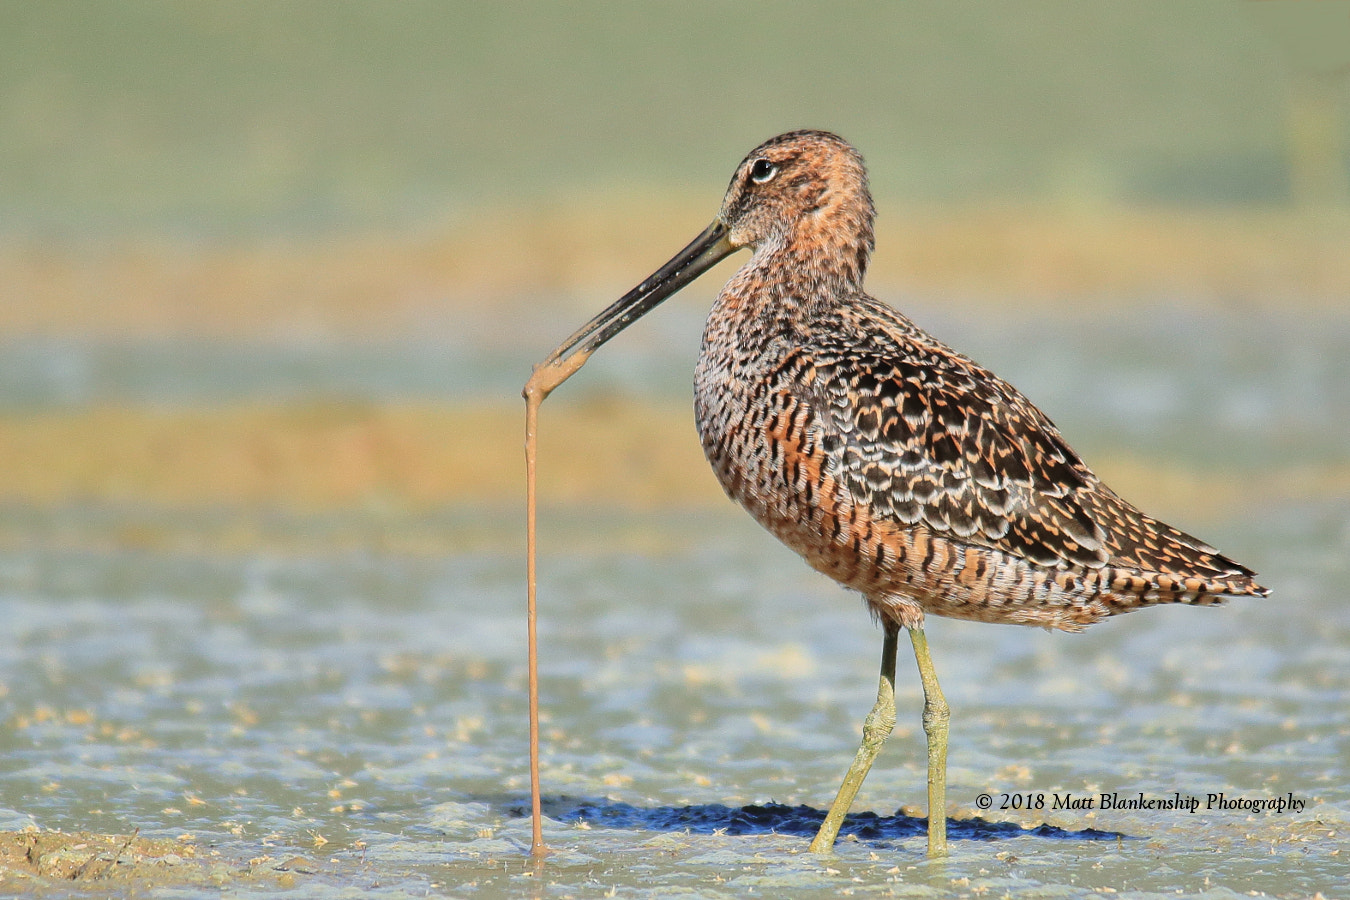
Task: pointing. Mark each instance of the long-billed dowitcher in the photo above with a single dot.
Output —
(892, 463)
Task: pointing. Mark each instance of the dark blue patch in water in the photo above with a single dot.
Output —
(777, 818)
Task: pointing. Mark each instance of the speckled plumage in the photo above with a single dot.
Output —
(892, 463)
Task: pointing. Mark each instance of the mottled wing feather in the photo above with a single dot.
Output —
(918, 433)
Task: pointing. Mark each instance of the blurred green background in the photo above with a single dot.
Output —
(258, 118)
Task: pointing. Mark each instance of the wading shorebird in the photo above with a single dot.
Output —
(892, 463)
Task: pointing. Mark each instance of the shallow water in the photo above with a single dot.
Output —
(365, 708)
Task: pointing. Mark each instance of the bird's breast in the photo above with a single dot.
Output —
(743, 402)
(764, 443)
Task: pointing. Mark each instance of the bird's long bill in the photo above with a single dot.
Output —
(704, 252)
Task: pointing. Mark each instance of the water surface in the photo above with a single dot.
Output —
(348, 685)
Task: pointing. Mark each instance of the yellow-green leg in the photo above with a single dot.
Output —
(935, 718)
(876, 728)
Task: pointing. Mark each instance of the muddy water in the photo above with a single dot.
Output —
(353, 694)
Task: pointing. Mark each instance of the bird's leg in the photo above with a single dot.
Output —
(935, 718)
(876, 728)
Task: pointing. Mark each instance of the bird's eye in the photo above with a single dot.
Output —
(762, 171)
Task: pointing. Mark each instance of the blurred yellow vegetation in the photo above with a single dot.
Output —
(623, 454)
(389, 285)
(326, 456)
